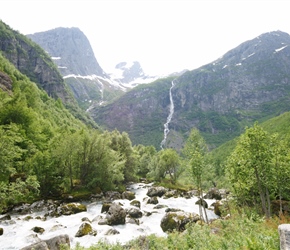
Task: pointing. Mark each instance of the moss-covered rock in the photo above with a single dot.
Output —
(38, 230)
(71, 208)
(153, 200)
(85, 229)
(128, 195)
(177, 221)
(135, 203)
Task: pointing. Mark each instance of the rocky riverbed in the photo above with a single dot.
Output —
(111, 217)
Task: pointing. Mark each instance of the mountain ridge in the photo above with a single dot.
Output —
(250, 82)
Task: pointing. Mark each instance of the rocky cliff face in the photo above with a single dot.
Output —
(249, 83)
(31, 60)
(71, 51)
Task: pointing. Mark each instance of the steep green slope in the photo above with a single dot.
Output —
(31, 60)
(278, 124)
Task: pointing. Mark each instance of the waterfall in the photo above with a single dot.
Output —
(171, 111)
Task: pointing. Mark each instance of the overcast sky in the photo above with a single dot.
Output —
(163, 35)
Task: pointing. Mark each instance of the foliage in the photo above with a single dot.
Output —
(255, 168)
(165, 162)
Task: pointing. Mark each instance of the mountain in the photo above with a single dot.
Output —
(71, 51)
(250, 82)
(130, 74)
(31, 60)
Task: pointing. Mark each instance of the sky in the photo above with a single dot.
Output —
(165, 36)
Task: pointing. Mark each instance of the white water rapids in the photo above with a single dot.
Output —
(169, 117)
(18, 234)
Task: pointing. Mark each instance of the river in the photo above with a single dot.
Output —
(18, 233)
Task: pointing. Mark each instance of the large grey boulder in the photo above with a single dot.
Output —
(177, 220)
(134, 212)
(71, 208)
(128, 195)
(284, 232)
(116, 215)
(156, 191)
(55, 243)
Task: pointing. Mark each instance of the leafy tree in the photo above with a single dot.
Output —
(169, 162)
(249, 168)
(10, 152)
(195, 151)
(144, 156)
(120, 142)
(280, 167)
(99, 165)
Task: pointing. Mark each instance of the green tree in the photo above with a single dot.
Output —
(169, 162)
(121, 143)
(144, 156)
(280, 167)
(99, 165)
(195, 151)
(10, 152)
(249, 168)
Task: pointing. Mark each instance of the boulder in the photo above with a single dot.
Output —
(71, 208)
(37, 246)
(201, 202)
(135, 203)
(38, 230)
(1, 231)
(177, 221)
(160, 206)
(173, 210)
(132, 221)
(116, 215)
(112, 195)
(171, 193)
(103, 222)
(213, 193)
(86, 219)
(134, 212)
(284, 232)
(5, 217)
(58, 242)
(153, 200)
(55, 243)
(105, 207)
(128, 195)
(112, 231)
(156, 191)
(85, 229)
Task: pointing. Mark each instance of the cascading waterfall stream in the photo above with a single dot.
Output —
(171, 111)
